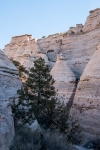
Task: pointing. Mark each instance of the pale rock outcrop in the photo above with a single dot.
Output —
(64, 79)
(9, 83)
(93, 20)
(87, 98)
(25, 50)
(77, 45)
(76, 30)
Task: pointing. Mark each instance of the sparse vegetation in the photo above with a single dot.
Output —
(43, 36)
(81, 30)
(22, 70)
(93, 144)
(25, 139)
(38, 101)
(72, 32)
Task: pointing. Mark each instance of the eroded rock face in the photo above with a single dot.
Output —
(77, 45)
(93, 20)
(87, 98)
(25, 50)
(9, 83)
(64, 79)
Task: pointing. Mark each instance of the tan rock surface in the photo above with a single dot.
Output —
(77, 45)
(93, 20)
(25, 50)
(9, 83)
(87, 97)
(64, 79)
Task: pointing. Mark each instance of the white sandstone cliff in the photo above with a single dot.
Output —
(9, 83)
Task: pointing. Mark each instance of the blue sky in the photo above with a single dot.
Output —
(41, 17)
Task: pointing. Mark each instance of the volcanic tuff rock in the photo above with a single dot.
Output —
(77, 45)
(93, 21)
(64, 79)
(9, 83)
(87, 97)
(25, 50)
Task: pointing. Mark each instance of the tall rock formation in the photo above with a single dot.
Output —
(87, 97)
(25, 50)
(64, 79)
(93, 21)
(9, 83)
(78, 45)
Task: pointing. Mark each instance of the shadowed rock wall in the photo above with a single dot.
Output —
(9, 83)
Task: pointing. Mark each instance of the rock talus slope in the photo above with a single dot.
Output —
(9, 83)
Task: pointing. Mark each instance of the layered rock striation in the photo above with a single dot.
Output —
(25, 50)
(78, 45)
(87, 98)
(64, 79)
(93, 21)
(9, 83)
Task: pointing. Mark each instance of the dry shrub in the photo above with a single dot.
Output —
(26, 139)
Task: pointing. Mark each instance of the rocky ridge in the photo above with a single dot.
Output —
(77, 45)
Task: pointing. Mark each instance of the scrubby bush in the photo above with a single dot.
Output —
(38, 101)
(22, 70)
(25, 139)
(72, 32)
(43, 36)
(95, 144)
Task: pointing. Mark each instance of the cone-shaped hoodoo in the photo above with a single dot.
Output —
(64, 79)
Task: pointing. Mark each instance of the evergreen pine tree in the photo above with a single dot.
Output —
(22, 70)
(37, 98)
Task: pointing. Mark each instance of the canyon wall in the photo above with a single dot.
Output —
(9, 83)
(86, 103)
(80, 48)
(77, 45)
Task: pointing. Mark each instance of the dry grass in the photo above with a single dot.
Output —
(26, 139)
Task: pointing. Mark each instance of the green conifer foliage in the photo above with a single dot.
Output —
(22, 70)
(37, 100)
